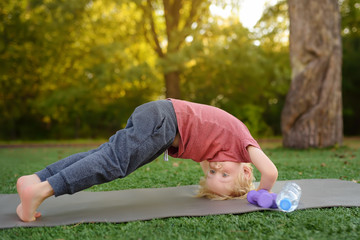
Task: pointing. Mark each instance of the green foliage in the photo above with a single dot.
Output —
(73, 69)
(350, 11)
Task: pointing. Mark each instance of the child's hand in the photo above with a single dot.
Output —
(264, 189)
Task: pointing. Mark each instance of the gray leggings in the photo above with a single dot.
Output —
(150, 130)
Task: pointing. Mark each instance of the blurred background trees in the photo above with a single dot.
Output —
(77, 69)
(350, 12)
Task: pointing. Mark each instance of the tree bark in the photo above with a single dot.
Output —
(172, 83)
(312, 115)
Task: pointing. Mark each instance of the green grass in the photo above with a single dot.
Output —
(328, 223)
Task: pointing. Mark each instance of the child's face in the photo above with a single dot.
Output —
(221, 177)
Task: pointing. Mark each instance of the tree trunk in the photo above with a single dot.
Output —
(179, 16)
(312, 115)
(172, 83)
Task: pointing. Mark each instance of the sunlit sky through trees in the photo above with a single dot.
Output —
(249, 13)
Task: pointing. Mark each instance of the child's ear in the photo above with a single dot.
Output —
(247, 171)
(205, 166)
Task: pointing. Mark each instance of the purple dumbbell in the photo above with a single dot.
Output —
(262, 198)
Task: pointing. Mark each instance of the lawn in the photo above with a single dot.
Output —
(327, 223)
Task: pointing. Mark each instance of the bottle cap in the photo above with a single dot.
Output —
(285, 204)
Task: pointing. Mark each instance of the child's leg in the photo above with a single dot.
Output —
(64, 163)
(26, 184)
(25, 181)
(150, 131)
(41, 176)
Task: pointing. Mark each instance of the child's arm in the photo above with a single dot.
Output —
(266, 167)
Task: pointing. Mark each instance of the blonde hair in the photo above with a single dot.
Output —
(243, 185)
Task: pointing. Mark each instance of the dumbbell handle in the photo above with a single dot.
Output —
(262, 198)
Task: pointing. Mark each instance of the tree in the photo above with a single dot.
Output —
(312, 115)
(69, 67)
(166, 25)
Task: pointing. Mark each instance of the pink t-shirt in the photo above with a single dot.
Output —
(209, 133)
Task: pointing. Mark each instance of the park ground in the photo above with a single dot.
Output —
(340, 162)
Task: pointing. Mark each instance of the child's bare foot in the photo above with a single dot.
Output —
(25, 181)
(31, 197)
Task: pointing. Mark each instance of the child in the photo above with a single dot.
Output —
(217, 140)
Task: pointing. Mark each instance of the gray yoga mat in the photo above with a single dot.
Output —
(151, 203)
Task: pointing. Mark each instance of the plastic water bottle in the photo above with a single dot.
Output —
(288, 199)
